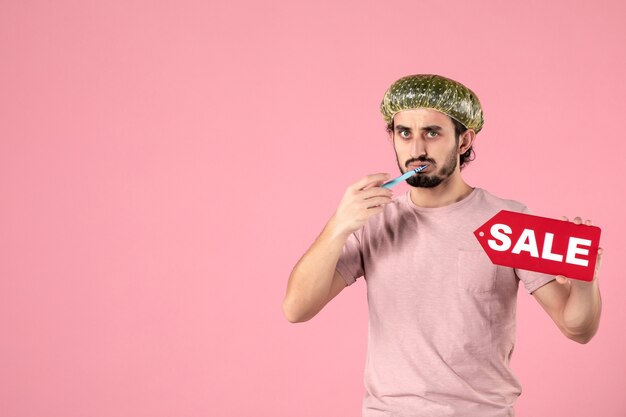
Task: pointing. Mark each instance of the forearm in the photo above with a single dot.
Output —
(581, 315)
(310, 281)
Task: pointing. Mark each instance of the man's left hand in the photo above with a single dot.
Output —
(561, 279)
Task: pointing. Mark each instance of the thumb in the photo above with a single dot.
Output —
(561, 279)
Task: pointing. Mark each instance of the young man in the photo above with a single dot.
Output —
(441, 315)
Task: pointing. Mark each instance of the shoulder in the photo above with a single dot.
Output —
(499, 203)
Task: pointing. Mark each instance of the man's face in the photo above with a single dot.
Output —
(423, 135)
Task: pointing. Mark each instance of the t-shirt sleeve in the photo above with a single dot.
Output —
(532, 280)
(350, 263)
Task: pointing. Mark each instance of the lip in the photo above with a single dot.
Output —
(413, 166)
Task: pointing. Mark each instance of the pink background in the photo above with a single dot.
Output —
(163, 165)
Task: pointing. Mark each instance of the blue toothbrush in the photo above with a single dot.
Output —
(404, 176)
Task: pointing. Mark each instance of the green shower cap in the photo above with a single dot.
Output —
(433, 92)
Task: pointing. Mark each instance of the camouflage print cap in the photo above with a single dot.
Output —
(433, 92)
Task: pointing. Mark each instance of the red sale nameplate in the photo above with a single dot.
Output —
(540, 244)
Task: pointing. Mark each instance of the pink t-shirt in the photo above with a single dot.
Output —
(441, 315)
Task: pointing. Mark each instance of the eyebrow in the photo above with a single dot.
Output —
(425, 128)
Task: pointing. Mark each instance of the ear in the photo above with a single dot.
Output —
(390, 132)
(466, 140)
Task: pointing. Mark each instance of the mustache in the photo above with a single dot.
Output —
(419, 160)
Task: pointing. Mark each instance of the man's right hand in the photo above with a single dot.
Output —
(362, 200)
(315, 280)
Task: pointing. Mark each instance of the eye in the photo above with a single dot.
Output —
(405, 134)
(432, 134)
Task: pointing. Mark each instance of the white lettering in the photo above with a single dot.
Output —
(496, 232)
(530, 247)
(547, 249)
(573, 250)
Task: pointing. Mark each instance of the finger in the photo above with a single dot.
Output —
(377, 201)
(375, 192)
(588, 222)
(370, 180)
(564, 218)
(578, 220)
(374, 210)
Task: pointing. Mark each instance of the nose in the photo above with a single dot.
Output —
(417, 148)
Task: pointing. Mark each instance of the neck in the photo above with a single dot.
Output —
(450, 191)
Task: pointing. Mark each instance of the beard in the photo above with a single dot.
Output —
(430, 180)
